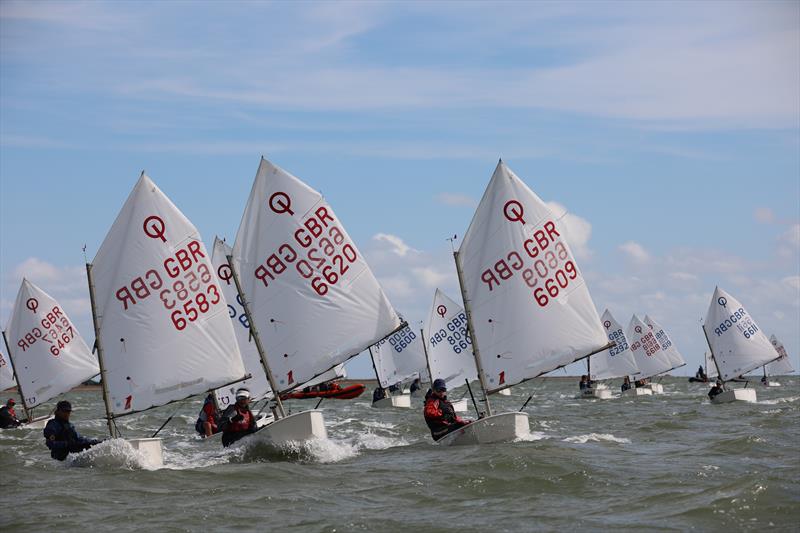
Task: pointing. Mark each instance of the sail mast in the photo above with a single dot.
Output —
(28, 413)
(98, 343)
(427, 359)
(257, 338)
(475, 350)
(710, 349)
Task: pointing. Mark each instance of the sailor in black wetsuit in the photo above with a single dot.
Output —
(718, 388)
(61, 437)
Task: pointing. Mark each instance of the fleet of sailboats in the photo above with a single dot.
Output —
(293, 300)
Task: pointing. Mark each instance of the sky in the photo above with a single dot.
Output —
(666, 134)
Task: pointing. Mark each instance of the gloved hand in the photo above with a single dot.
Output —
(237, 418)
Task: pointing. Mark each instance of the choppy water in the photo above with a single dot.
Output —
(671, 462)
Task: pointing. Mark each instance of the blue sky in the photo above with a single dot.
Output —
(669, 133)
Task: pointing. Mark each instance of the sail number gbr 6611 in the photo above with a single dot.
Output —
(183, 283)
(544, 263)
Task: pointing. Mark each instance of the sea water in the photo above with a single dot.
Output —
(664, 462)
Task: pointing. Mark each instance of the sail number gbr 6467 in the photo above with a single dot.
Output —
(544, 264)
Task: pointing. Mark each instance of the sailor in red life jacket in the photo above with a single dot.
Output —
(8, 417)
(238, 420)
(439, 413)
(206, 424)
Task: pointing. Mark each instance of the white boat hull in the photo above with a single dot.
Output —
(37, 423)
(634, 392)
(735, 395)
(505, 427)
(772, 384)
(460, 406)
(505, 392)
(402, 401)
(594, 394)
(657, 388)
(151, 449)
(298, 427)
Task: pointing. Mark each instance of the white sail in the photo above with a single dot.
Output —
(782, 366)
(671, 351)
(6, 373)
(337, 372)
(711, 368)
(650, 358)
(312, 295)
(737, 342)
(163, 320)
(399, 357)
(617, 361)
(531, 310)
(449, 345)
(257, 384)
(50, 355)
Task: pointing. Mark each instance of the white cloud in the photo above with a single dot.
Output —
(578, 230)
(398, 246)
(456, 199)
(764, 215)
(432, 278)
(635, 252)
(683, 276)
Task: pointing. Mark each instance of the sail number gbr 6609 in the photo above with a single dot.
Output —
(544, 264)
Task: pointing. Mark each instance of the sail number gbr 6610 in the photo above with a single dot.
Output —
(544, 263)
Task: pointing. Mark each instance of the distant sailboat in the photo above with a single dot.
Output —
(618, 361)
(161, 323)
(670, 350)
(7, 378)
(737, 344)
(448, 346)
(650, 356)
(527, 305)
(395, 359)
(49, 355)
(310, 298)
(779, 367)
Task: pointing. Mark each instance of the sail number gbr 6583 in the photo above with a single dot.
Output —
(544, 263)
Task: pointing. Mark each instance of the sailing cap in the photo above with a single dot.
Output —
(439, 384)
(64, 405)
(11, 401)
(242, 393)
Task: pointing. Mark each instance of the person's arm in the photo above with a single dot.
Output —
(226, 418)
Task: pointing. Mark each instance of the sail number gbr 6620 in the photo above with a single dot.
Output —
(544, 263)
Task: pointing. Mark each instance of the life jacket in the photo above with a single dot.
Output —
(243, 424)
(439, 426)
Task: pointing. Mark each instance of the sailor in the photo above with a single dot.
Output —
(626, 384)
(61, 437)
(238, 420)
(415, 386)
(701, 374)
(206, 424)
(8, 417)
(715, 390)
(584, 383)
(378, 394)
(439, 413)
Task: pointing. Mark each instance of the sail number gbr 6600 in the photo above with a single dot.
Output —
(544, 263)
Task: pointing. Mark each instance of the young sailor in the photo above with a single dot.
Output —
(716, 389)
(626, 384)
(238, 420)
(8, 417)
(439, 413)
(61, 437)
(378, 394)
(206, 424)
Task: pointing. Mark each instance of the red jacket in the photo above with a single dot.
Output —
(434, 412)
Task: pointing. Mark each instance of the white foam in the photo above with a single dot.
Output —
(112, 453)
(597, 437)
(788, 399)
(532, 437)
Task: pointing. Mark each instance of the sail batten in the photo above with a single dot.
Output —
(530, 307)
(313, 298)
(161, 317)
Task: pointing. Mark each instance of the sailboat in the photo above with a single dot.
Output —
(48, 354)
(668, 347)
(616, 362)
(527, 305)
(396, 359)
(7, 378)
(737, 344)
(448, 346)
(306, 289)
(779, 367)
(160, 319)
(650, 356)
